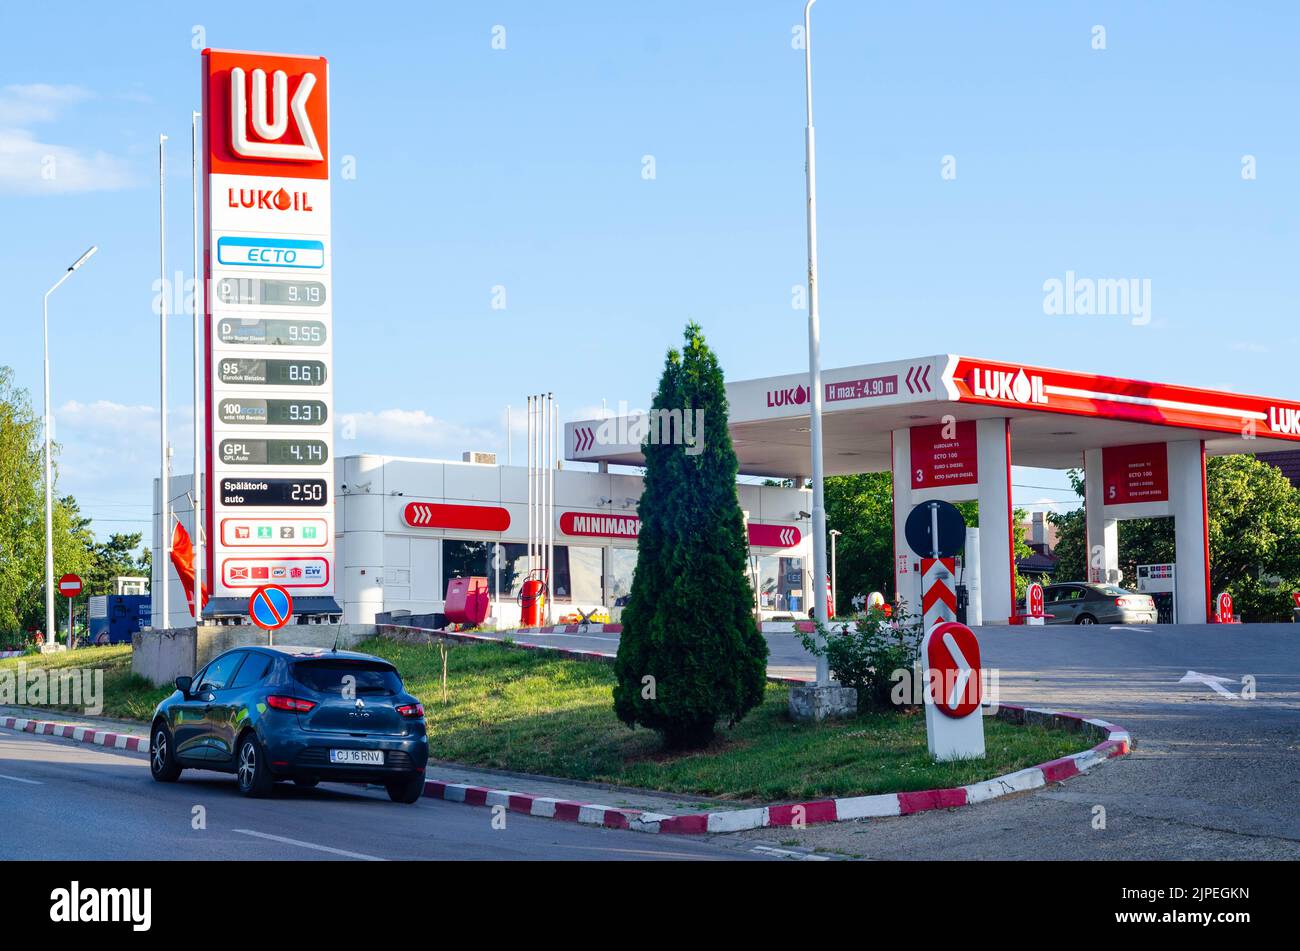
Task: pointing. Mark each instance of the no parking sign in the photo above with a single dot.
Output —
(270, 607)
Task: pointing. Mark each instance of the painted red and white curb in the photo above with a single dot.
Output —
(1116, 742)
(593, 628)
(82, 734)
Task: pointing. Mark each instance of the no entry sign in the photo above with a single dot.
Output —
(70, 585)
(270, 607)
(954, 725)
(1034, 602)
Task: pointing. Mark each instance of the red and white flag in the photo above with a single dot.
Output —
(183, 562)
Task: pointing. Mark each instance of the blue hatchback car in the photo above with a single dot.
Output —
(269, 714)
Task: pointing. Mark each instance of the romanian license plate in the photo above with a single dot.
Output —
(358, 757)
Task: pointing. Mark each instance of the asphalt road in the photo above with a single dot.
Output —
(63, 800)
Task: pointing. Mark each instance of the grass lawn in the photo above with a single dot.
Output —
(521, 711)
(126, 695)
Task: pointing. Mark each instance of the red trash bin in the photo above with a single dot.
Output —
(467, 601)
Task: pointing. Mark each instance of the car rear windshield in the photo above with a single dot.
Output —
(1112, 590)
(326, 676)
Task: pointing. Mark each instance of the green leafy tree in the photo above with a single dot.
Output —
(1254, 536)
(22, 518)
(690, 653)
(22, 527)
(861, 507)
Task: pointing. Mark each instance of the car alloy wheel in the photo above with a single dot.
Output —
(162, 759)
(247, 765)
(1087, 619)
(252, 771)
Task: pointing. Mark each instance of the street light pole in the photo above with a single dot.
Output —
(49, 482)
(814, 355)
(164, 483)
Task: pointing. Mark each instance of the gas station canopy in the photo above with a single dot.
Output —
(1055, 415)
(950, 428)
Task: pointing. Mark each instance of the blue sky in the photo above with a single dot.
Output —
(523, 167)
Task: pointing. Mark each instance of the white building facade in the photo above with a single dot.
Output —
(407, 526)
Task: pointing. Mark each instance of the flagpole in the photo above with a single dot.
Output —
(200, 309)
(164, 484)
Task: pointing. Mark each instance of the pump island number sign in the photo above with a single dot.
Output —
(270, 332)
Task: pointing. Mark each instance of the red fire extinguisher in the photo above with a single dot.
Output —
(532, 598)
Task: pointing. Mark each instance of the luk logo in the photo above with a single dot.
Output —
(1284, 419)
(1007, 386)
(268, 199)
(790, 396)
(271, 124)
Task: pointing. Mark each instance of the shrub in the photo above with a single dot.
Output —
(866, 653)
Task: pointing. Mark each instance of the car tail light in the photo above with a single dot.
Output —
(412, 711)
(292, 704)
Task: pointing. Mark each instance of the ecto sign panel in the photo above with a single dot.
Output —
(267, 243)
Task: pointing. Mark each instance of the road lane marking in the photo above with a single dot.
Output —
(1212, 681)
(19, 779)
(311, 845)
(789, 854)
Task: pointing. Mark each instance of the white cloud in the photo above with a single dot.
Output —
(31, 166)
(37, 102)
(407, 431)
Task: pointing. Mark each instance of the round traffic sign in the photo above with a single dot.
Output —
(952, 656)
(920, 526)
(270, 607)
(70, 585)
(1034, 597)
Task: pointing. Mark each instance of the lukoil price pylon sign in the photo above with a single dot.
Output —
(270, 514)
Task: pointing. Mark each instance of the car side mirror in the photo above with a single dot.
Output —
(183, 684)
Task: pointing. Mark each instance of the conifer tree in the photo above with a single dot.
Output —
(690, 653)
